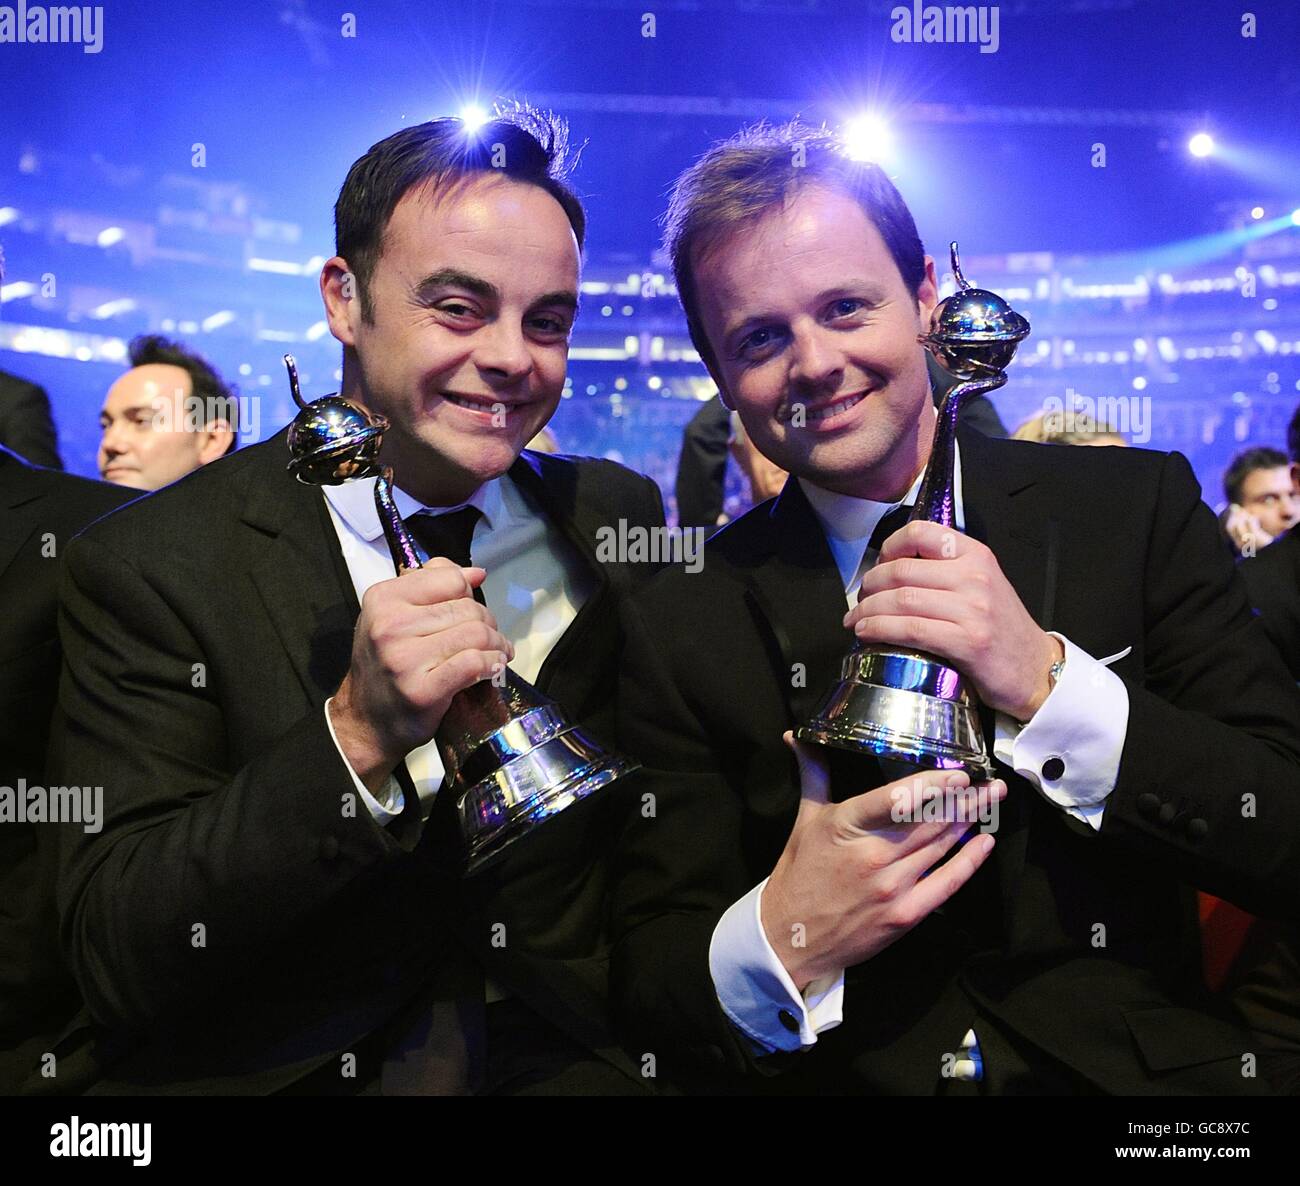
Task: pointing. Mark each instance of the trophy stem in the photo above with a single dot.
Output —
(936, 500)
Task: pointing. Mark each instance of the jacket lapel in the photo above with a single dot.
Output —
(1004, 509)
(299, 573)
(797, 599)
(18, 520)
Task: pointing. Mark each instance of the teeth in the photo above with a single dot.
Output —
(834, 409)
(471, 404)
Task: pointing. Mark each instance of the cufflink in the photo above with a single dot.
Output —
(1053, 769)
(789, 1020)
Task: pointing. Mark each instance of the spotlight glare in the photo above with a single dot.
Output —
(1202, 144)
(1295, 217)
(1257, 213)
(868, 138)
(473, 117)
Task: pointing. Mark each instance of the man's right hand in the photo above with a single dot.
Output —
(420, 639)
(850, 883)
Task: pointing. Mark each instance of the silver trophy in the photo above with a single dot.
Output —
(510, 755)
(906, 705)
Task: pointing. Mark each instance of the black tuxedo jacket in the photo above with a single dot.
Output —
(40, 511)
(26, 425)
(1114, 549)
(235, 925)
(1273, 583)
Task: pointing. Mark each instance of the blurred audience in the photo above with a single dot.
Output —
(1273, 575)
(1262, 500)
(1068, 427)
(170, 414)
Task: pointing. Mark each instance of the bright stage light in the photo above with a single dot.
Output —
(1202, 144)
(473, 117)
(1295, 217)
(1257, 213)
(868, 138)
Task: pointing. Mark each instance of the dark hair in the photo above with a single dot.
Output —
(205, 382)
(520, 142)
(1293, 436)
(1245, 464)
(758, 170)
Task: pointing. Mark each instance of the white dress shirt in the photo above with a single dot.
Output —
(1083, 723)
(535, 586)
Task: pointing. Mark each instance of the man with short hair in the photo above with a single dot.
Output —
(1273, 575)
(275, 902)
(170, 414)
(771, 904)
(1263, 500)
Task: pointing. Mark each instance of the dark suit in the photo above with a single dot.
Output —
(26, 425)
(1273, 584)
(1114, 549)
(40, 511)
(224, 793)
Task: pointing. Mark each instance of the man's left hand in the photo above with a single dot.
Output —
(937, 590)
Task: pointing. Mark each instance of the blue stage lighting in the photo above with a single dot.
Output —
(1202, 144)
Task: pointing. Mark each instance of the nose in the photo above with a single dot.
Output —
(815, 359)
(113, 441)
(502, 353)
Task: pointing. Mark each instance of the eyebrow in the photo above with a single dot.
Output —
(455, 278)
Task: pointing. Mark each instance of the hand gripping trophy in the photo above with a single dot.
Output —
(509, 753)
(907, 705)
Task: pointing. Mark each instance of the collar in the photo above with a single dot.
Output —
(846, 519)
(354, 503)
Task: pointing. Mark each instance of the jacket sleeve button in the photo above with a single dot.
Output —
(329, 847)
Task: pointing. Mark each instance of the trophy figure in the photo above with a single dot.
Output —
(509, 753)
(900, 704)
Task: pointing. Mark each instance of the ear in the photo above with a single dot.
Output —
(1295, 475)
(927, 296)
(338, 290)
(217, 436)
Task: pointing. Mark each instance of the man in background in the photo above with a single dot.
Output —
(169, 415)
(1263, 503)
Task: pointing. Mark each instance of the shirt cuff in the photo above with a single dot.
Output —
(1070, 750)
(388, 806)
(756, 992)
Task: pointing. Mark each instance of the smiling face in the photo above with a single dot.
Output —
(814, 334)
(472, 301)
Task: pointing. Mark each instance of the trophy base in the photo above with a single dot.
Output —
(531, 788)
(902, 706)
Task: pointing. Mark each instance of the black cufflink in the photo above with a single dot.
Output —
(788, 1020)
(1053, 768)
